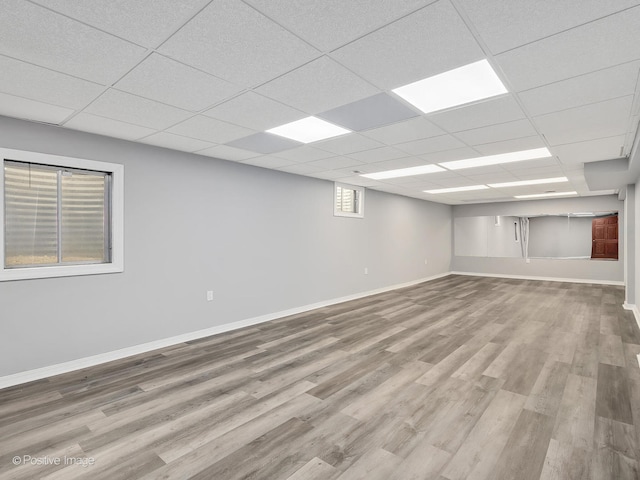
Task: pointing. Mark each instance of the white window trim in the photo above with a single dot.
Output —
(340, 213)
(117, 218)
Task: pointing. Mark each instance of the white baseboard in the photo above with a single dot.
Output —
(547, 279)
(634, 309)
(636, 315)
(66, 367)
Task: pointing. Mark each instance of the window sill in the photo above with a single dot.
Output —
(32, 273)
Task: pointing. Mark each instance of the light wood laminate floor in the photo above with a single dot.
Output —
(458, 378)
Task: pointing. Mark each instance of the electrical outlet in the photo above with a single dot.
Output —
(426, 261)
(209, 295)
(366, 271)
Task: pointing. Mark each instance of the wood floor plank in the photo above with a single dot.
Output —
(525, 451)
(477, 456)
(613, 400)
(458, 378)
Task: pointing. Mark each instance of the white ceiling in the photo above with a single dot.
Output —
(209, 76)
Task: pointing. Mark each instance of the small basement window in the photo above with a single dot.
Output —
(348, 201)
(60, 216)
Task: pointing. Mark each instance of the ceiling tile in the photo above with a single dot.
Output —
(175, 142)
(378, 154)
(332, 23)
(145, 22)
(588, 88)
(594, 46)
(497, 133)
(489, 112)
(254, 111)
(450, 155)
(318, 86)
(19, 107)
(167, 81)
(402, 132)
(495, 177)
(328, 175)
(268, 162)
(57, 42)
(506, 25)
(301, 169)
(137, 110)
(107, 126)
(515, 145)
(227, 153)
(346, 144)
(394, 164)
(233, 41)
(37, 83)
(395, 55)
(603, 119)
(369, 113)
(333, 163)
(360, 181)
(209, 130)
(304, 154)
(589, 151)
(528, 165)
(264, 143)
(430, 145)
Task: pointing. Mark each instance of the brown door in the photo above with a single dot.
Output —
(604, 236)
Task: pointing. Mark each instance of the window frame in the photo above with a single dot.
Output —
(116, 194)
(340, 213)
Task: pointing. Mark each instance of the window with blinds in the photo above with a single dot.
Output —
(348, 201)
(55, 215)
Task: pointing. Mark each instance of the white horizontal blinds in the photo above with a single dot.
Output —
(346, 200)
(31, 220)
(83, 217)
(55, 216)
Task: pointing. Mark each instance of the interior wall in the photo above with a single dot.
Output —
(484, 237)
(263, 241)
(578, 269)
(633, 283)
(560, 236)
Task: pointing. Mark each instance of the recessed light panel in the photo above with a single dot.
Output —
(466, 84)
(307, 130)
(457, 189)
(542, 195)
(404, 172)
(497, 159)
(540, 181)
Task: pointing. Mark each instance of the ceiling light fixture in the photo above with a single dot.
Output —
(541, 195)
(309, 129)
(466, 84)
(497, 159)
(540, 181)
(404, 172)
(457, 189)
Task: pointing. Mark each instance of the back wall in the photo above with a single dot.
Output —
(263, 241)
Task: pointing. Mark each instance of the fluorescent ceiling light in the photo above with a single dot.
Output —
(552, 194)
(458, 189)
(307, 130)
(404, 172)
(540, 181)
(497, 159)
(456, 87)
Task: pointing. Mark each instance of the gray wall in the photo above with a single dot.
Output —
(560, 236)
(599, 270)
(481, 237)
(263, 241)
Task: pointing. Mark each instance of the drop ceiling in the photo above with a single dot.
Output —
(210, 77)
